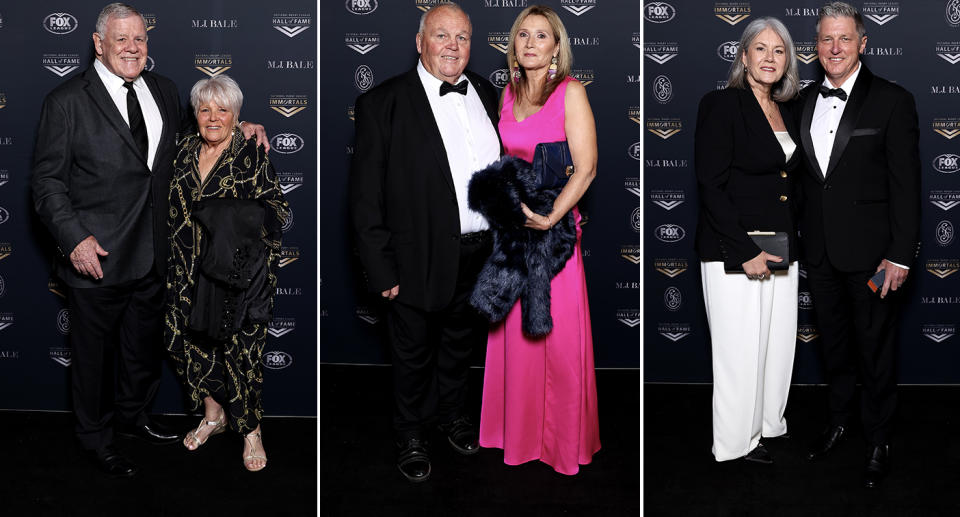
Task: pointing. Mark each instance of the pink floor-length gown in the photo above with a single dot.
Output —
(540, 394)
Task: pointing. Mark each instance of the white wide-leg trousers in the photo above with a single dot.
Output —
(753, 329)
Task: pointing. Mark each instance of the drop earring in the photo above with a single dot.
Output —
(552, 71)
(516, 70)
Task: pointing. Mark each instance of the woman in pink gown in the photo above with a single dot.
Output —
(539, 393)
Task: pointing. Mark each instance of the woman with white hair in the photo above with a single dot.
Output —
(226, 216)
(745, 155)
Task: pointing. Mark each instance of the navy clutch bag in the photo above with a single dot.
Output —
(553, 164)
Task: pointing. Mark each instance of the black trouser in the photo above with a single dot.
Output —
(121, 323)
(859, 332)
(431, 350)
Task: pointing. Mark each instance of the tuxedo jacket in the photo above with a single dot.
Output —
(868, 207)
(744, 181)
(403, 205)
(89, 178)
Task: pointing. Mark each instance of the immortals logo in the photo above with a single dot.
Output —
(280, 327)
(363, 78)
(288, 105)
(666, 163)
(880, 12)
(947, 127)
(732, 12)
(61, 64)
(727, 50)
(672, 299)
(6, 319)
(953, 13)
(578, 7)
(3, 100)
(633, 151)
(362, 42)
(286, 143)
(806, 51)
(661, 51)
(945, 163)
(633, 113)
(212, 23)
(55, 287)
(288, 222)
(669, 233)
(289, 181)
(664, 127)
(944, 233)
(6, 249)
(4, 215)
(666, 199)
(938, 333)
(670, 266)
(807, 333)
(288, 255)
(632, 253)
(277, 360)
(63, 321)
(367, 315)
(674, 331)
(635, 219)
(351, 112)
(498, 40)
(60, 23)
(290, 64)
(633, 186)
(662, 89)
(945, 199)
(500, 77)
(942, 268)
(212, 64)
(629, 317)
(804, 300)
(291, 25)
(150, 20)
(586, 77)
(361, 7)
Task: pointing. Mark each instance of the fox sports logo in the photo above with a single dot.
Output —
(361, 7)
(669, 233)
(946, 163)
(286, 143)
(60, 23)
(277, 360)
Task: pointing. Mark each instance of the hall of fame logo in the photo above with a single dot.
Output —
(662, 89)
(952, 13)
(727, 50)
(633, 186)
(938, 333)
(585, 76)
(947, 127)
(806, 82)
(732, 12)
(361, 7)
(280, 327)
(637, 40)
(807, 333)
(290, 25)
(942, 268)
(212, 64)
(635, 219)
(61, 64)
(880, 12)
(286, 143)
(277, 360)
(60, 355)
(674, 331)
(361, 42)
(672, 299)
(944, 233)
(667, 199)
(631, 253)
(669, 233)
(288, 105)
(500, 78)
(658, 12)
(629, 317)
(660, 52)
(288, 255)
(363, 78)
(806, 51)
(289, 181)
(948, 51)
(60, 23)
(498, 40)
(633, 151)
(6, 320)
(670, 266)
(366, 315)
(150, 20)
(578, 7)
(946, 163)
(664, 127)
(944, 199)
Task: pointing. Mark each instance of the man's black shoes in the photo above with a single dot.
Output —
(878, 464)
(113, 463)
(462, 435)
(150, 433)
(827, 442)
(413, 459)
(759, 454)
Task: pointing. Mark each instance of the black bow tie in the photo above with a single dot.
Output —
(833, 92)
(460, 88)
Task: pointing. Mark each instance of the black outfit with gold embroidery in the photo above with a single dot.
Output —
(229, 370)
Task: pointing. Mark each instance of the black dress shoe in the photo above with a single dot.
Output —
(150, 433)
(114, 463)
(827, 441)
(759, 454)
(878, 463)
(413, 459)
(462, 435)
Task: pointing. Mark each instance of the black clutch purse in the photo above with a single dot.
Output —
(774, 243)
(553, 164)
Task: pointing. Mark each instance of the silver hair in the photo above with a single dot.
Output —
(842, 10)
(221, 89)
(451, 5)
(789, 85)
(116, 10)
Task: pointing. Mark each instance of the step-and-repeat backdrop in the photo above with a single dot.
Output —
(367, 41)
(688, 48)
(270, 49)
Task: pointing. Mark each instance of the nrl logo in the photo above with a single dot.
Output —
(807, 333)
(288, 105)
(674, 331)
(288, 255)
(664, 128)
(280, 327)
(629, 317)
(213, 64)
(498, 40)
(943, 268)
(732, 12)
(631, 253)
(806, 52)
(880, 12)
(670, 267)
(938, 333)
(291, 25)
(667, 199)
(578, 7)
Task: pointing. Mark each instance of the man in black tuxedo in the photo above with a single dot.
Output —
(101, 174)
(860, 215)
(419, 138)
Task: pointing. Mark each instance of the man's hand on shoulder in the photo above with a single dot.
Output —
(85, 258)
(249, 129)
(391, 293)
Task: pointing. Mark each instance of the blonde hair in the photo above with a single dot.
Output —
(564, 56)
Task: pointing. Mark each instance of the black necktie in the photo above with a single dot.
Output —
(833, 92)
(135, 116)
(460, 88)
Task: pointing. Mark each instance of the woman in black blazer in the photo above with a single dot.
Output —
(745, 156)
